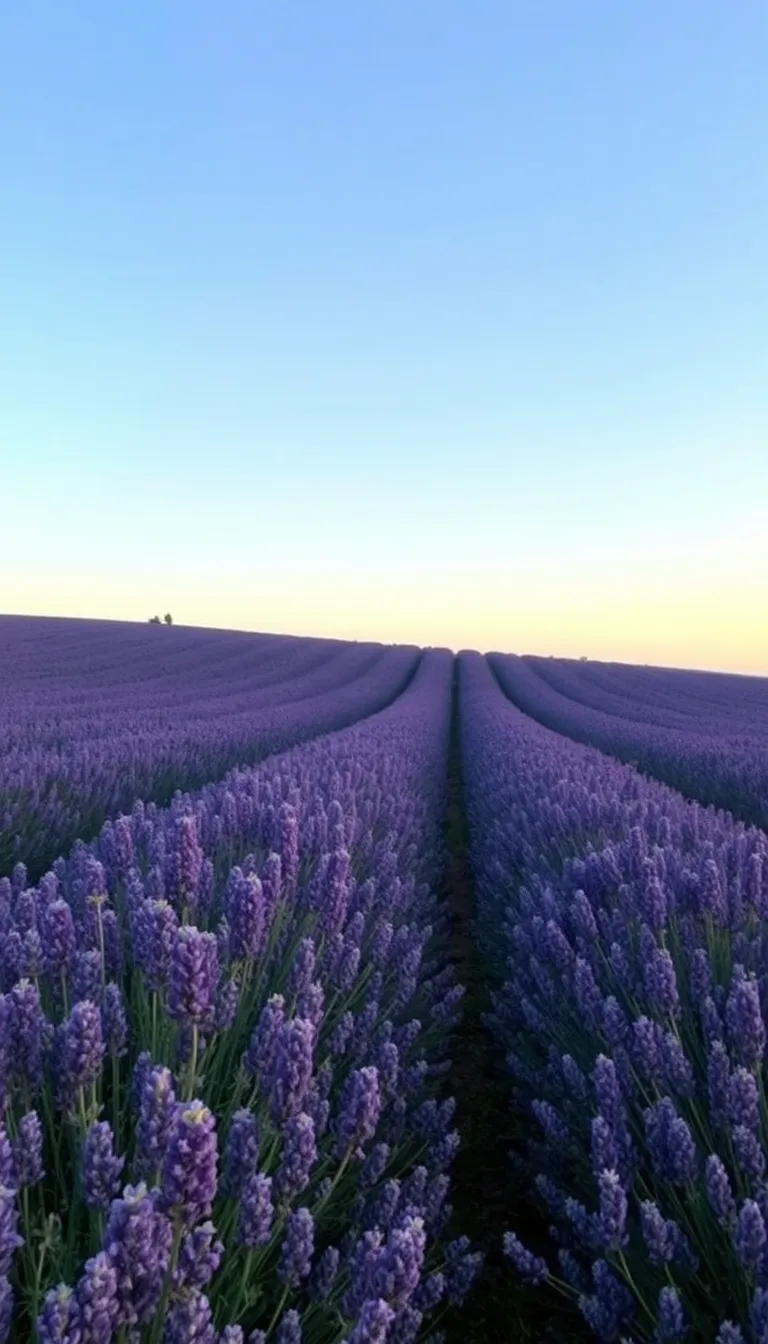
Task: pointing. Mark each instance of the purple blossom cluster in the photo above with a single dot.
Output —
(219, 1062)
(622, 927)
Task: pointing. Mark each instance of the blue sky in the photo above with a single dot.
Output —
(435, 321)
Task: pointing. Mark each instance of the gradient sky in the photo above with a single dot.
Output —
(417, 319)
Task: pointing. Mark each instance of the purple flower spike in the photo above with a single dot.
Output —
(57, 1323)
(298, 1157)
(718, 1189)
(101, 1167)
(245, 915)
(80, 1049)
(97, 1300)
(10, 1241)
(59, 940)
(289, 1329)
(138, 1241)
(324, 1274)
(188, 1184)
(400, 1267)
(298, 1244)
(529, 1266)
(745, 1021)
(670, 1143)
(671, 1320)
(157, 1113)
(259, 1057)
(660, 1234)
(113, 1024)
(372, 1324)
(254, 1224)
(729, 1334)
(199, 1257)
(613, 1211)
(292, 1065)
(359, 1110)
(750, 1236)
(190, 1321)
(194, 976)
(241, 1153)
(28, 1151)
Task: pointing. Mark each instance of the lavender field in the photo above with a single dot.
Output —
(362, 994)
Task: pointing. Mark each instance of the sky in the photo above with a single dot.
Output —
(411, 320)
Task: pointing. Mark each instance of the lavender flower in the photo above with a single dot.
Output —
(259, 1057)
(289, 1329)
(749, 1153)
(245, 915)
(28, 1151)
(324, 1274)
(296, 1253)
(670, 1143)
(298, 1157)
(372, 1324)
(194, 976)
(671, 1320)
(750, 1236)
(291, 1069)
(744, 1019)
(80, 1050)
(101, 1167)
(613, 1211)
(718, 1188)
(360, 1108)
(97, 1300)
(113, 1023)
(58, 1321)
(661, 1235)
(743, 1099)
(190, 1321)
(241, 1153)
(188, 1183)
(661, 983)
(256, 1211)
(200, 1255)
(138, 1241)
(59, 940)
(157, 1112)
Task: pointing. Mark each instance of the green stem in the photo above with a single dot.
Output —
(163, 1307)
(192, 1063)
(278, 1311)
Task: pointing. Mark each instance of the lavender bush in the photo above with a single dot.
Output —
(94, 714)
(705, 733)
(623, 928)
(223, 1031)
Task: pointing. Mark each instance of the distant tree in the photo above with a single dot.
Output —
(155, 620)
(168, 618)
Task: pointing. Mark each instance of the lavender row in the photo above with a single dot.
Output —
(706, 737)
(624, 930)
(95, 715)
(223, 1035)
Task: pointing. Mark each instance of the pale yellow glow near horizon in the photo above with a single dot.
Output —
(686, 620)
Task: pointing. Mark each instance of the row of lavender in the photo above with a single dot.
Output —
(624, 927)
(96, 714)
(222, 1055)
(702, 733)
